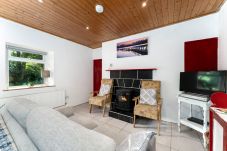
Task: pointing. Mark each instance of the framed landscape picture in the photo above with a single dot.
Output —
(137, 47)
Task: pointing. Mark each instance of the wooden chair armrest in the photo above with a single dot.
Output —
(160, 101)
(108, 95)
(159, 104)
(136, 99)
(93, 93)
(96, 91)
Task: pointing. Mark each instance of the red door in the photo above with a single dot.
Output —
(97, 74)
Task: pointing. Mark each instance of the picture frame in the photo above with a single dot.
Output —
(132, 48)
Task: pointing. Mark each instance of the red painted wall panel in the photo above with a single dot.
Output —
(201, 55)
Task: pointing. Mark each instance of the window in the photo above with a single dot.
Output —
(25, 67)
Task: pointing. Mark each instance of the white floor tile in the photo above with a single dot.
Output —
(186, 144)
(117, 123)
(160, 147)
(169, 140)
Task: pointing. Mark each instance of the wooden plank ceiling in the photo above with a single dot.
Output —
(69, 18)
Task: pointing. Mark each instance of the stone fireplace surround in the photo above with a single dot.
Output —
(126, 80)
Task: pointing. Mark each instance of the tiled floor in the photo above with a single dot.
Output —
(169, 140)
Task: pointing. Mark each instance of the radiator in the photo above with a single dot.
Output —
(51, 99)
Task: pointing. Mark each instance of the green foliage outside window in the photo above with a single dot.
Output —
(21, 54)
(25, 73)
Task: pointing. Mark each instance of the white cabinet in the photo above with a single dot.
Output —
(200, 128)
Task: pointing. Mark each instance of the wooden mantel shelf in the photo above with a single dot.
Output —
(132, 69)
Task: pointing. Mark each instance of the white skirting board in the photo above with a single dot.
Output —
(53, 99)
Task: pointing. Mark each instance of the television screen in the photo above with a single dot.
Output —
(203, 82)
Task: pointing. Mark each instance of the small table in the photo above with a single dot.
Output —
(200, 128)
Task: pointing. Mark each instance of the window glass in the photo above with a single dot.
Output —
(25, 67)
(25, 73)
(22, 54)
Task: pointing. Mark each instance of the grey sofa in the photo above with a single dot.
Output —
(35, 128)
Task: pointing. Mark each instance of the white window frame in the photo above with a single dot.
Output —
(9, 47)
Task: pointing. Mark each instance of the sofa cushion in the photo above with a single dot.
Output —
(18, 134)
(19, 108)
(52, 131)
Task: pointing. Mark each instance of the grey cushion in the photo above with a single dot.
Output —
(19, 108)
(105, 89)
(152, 144)
(20, 137)
(140, 141)
(52, 131)
(148, 96)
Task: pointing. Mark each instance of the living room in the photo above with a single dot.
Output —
(55, 53)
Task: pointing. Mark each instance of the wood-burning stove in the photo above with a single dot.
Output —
(123, 100)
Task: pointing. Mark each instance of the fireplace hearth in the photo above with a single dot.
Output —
(126, 87)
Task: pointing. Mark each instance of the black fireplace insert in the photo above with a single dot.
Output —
(124, 98)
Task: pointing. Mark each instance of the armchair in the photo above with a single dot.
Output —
(146, 110)
(101, 99)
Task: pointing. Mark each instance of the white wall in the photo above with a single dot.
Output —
(222, 60)
(97, 53)
(72, 62)
(166, 52)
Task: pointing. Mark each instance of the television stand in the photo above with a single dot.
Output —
(185, 121)
(196, 96)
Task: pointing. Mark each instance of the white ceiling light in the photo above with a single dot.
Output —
(99, 8)
(144, 4)
(87, 27)
(41, 1)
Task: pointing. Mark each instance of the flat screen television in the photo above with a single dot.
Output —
(203, 82)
